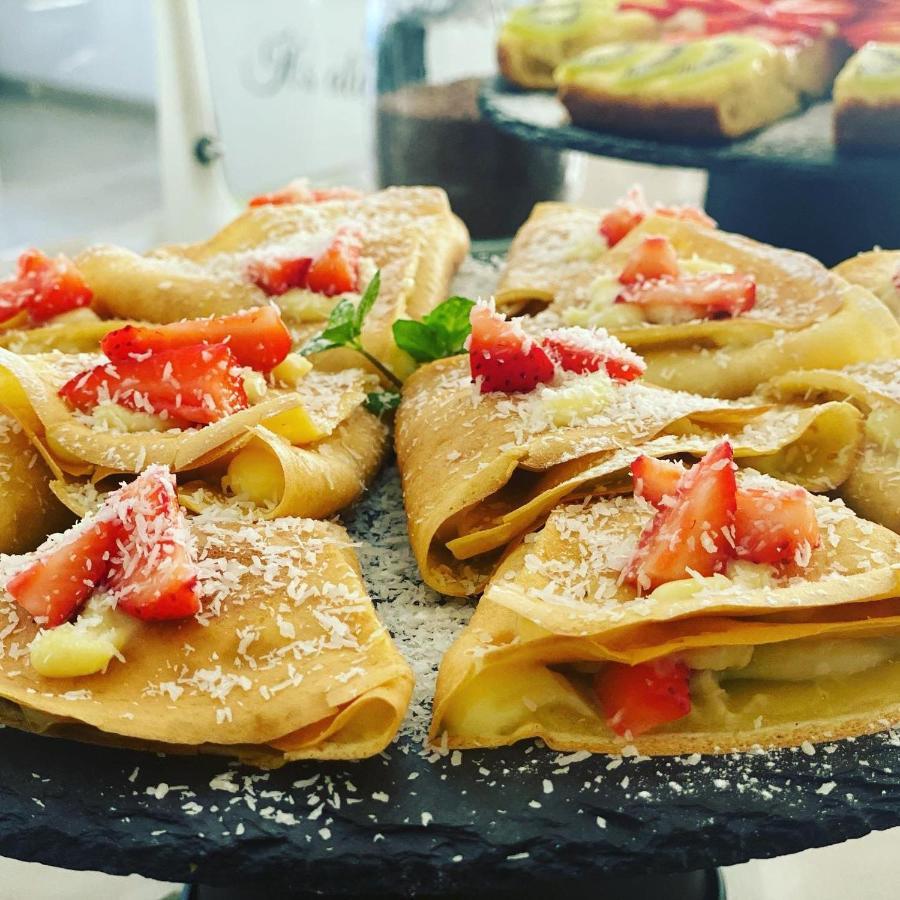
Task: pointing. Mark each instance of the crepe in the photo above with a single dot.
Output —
(877, 271)
(873, 487)
(286, 660)
(825, 640)
(28, 509)
(78, 331)
(804, 317)
(315, 479)
(479, 470)
(410, 234)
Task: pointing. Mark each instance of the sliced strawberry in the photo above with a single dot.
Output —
(694, 533)
(45, 287)
(636, 699)
(619, 221)
(582, 350)
(189, 385)
(54, 587)
(713, 296)
(298, 192)
(655, 479)
(336, 270)
(503, 356)
(278, 276)
(686, 213)
(775, 526)
(654, 257)
(152, 574)
(256, 338)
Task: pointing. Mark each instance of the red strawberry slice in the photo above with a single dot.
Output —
(620, 220)
(655, 479)
(712, 296)
(278, 276)
(581, 350)
(654, 257)
(686, 213)
(45, 287)
(503, 357)
(152, 573)
(636, 699)
(256, 338)
(56, 585)
(189, 385)
(298, 192)
(336, 270)
(695, 532)
(775, 526)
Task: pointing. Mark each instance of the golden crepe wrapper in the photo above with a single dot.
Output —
(318, 479)
(873, 487)
(287, 659)
(876, 271)
(477, 473)
(804, 316)
(78, 331)
(556, 602)
(409, 233)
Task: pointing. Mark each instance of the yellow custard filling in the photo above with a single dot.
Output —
(873, 73)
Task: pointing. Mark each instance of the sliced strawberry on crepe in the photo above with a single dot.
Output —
(771, 525)
(695, 532)
(298, 191)
(502, 357)
(45, 287)
(278, 276)
(635, 699)
(336, 269)
(189, 385)
(152, 574)
(712, 296)
(256, 338)
(583, 350)
(59, 582)
(631, 210)
(813, 17)
(654, 257)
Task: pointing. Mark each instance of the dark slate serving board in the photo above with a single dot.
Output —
(801, 143)
(400, 822)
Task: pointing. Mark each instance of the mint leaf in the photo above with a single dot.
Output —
(367, 301)
(441, 333)
(380, 402)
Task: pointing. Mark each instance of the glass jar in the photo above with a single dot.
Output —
(432, 56)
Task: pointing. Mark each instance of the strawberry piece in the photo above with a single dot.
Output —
(56, 585)
(712, 296)
(256, 338)
(503, 356)
(152, 574)
(298, 192)
(336, 270)
(45, 287)
(654, 479)
(189, 385)
(686, 214)
(654, 257)
(695, 532)
(775, 526)
(632, 209)
(581, 350)
(278, 276)
(636, 699)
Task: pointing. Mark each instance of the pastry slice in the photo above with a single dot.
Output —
(304, 256)
(219, 633)
(714, 613)
(222, 402)
(714, 89)
(710, 312)
(873, 487)
(559, 417)
(879, 272)
(867, 99)
(536, 38)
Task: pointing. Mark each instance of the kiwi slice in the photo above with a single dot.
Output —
(607, 57)
(558, 19)
(880, 62)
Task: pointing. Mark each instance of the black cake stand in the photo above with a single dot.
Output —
(523, 820)
(787, 185)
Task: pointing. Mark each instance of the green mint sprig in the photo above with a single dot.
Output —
(441, 333)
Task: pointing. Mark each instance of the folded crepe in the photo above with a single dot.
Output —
(239, 455)
(286, 659)
(78, 331)
(28, 509)
(804, 316)
(408, 233)
(879, 272)
(872, 488)
(479, 470)
(807, 653)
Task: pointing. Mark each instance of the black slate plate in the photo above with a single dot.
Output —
(399, 822)
(801, 144)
